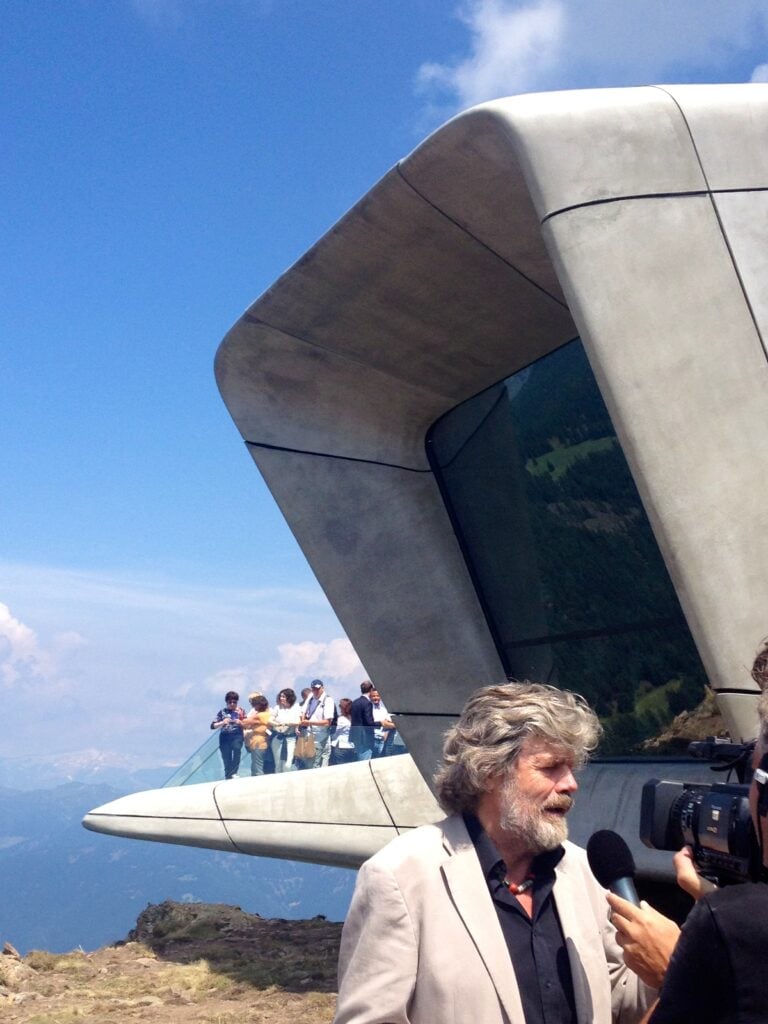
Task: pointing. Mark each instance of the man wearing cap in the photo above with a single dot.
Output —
(318, 714)
(490, 915)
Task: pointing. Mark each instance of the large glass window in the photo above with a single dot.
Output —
(563, 557)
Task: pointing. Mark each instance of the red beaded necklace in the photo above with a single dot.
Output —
(516, 888)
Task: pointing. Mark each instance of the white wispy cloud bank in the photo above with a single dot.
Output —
(515, 47)
(139, 664)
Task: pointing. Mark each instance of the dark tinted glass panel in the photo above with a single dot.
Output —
(562, 553)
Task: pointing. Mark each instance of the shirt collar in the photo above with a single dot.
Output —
(491, 860)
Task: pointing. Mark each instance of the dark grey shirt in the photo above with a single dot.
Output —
(536, 945)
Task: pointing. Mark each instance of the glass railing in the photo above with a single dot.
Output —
(205, 765)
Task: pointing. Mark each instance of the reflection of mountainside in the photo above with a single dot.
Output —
(559, 403)
(63, 887)
(605, 568)
(612, 612)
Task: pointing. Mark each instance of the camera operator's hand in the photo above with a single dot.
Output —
(646, 937)
(688, 878)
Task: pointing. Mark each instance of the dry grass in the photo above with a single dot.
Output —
(194, 965)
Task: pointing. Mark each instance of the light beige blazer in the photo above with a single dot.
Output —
(422, 943)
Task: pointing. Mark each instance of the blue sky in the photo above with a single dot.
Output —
(163, 161)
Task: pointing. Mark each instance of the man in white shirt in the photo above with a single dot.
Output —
(318, 714)
(385, 727)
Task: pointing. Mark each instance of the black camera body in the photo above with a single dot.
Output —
(714, 820)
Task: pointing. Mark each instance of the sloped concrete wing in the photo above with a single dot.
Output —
(339, 815)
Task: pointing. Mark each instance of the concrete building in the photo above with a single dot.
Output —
(549, 283)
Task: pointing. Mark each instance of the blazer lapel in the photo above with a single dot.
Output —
(582, 939)
(469, 892)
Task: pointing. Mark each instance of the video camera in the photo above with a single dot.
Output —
(714, 820)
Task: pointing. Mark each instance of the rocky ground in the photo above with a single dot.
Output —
(182, 964)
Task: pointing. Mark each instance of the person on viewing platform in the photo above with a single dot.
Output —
(299, 762)
(255, 731)
(490, 915)
(385, 728)
(361, 733)
(284, 719)
(342, 748)
(716, 973)
(318, 716)
(229, 722)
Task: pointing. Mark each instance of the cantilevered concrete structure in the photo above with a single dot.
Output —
(635, 219)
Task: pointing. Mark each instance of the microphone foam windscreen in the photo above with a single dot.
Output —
(609, 857)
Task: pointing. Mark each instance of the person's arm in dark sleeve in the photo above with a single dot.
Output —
(698, 981)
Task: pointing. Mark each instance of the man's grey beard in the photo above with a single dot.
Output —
(528, 823)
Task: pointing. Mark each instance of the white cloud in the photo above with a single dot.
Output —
(26, 663)
(339, 661)
(518, 47)
(18, 648)
(509, 45)
(333, 661)
(760, 74)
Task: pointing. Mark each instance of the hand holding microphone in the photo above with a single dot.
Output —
(646, 937)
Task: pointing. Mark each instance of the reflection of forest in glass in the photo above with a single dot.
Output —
(562, 552)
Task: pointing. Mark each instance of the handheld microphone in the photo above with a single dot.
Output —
(612, 864)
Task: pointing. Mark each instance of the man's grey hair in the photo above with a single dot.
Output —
(494, 725)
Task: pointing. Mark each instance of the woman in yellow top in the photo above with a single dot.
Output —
(255, 728)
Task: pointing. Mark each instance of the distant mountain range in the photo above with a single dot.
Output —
(62, 887)
(41, 771)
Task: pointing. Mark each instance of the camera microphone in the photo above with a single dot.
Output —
(612, 864)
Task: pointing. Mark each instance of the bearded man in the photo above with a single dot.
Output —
(491, 915)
